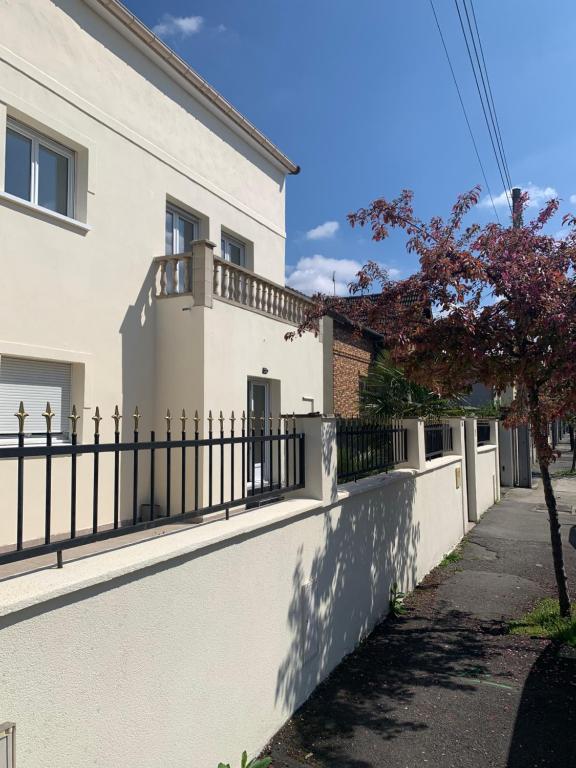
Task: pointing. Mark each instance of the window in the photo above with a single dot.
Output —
(35, 382)
(181, 229)
(39, 170)
(233, 250)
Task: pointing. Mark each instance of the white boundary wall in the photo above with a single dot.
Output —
(185, 649)
(483, 470)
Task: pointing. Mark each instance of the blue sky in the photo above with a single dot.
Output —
(360, 95)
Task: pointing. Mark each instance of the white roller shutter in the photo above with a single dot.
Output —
(35, 382)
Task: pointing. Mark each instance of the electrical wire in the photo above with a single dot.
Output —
(498, 131)
(487, 120)
(464, 109)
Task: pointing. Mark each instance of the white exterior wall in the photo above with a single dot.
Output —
(140, 139)
(186, 649)
(84, 292)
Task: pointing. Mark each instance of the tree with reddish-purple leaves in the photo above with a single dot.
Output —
(489, 304)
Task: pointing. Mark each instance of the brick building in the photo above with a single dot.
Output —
(353, 351)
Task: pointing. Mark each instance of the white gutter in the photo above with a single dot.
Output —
(133, 24)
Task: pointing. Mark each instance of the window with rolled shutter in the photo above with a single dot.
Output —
(35, 383)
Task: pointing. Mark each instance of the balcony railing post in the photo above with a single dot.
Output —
(203, 272)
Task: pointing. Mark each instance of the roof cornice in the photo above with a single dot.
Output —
(133, 26)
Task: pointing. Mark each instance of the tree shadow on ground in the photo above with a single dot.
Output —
(545, 728)
(367, 699)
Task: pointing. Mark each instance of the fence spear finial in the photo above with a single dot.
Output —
(232, 420)
(21, 415)
(210, 420)
(243, 419)
(196, 421)
(74, 419)
(168, 419)
(136, 418)
(48, 415)
(97, 419)
(221, 420)
(183, 420)
(116, 416)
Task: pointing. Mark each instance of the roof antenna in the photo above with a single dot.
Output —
(334, 281)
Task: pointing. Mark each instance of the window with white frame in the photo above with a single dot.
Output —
(39, 170)
(35, 383)
(233, 250)
(181, 229)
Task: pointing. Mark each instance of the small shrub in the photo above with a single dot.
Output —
(452, 557)
(545, 621)
(397, 607)
(263, 762)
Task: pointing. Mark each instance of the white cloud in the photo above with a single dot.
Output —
(321, 274)
(573, 198)
(178, 26)
(323, 231)
(537, 197)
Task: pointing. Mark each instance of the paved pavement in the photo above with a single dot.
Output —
(446, 686)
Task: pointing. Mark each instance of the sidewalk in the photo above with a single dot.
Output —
(445, 686)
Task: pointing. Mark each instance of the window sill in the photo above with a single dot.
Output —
(44, 213)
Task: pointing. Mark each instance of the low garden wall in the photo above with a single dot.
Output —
(189, 647)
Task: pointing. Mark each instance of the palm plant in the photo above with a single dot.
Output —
(389, 394)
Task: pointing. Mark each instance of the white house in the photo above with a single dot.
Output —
(114, 156)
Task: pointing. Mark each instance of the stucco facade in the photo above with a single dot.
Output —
(84, 286)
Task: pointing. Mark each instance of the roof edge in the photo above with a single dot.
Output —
(137, 27)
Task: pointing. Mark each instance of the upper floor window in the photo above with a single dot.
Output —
(181, 230)
(39, 170)
(233, 250)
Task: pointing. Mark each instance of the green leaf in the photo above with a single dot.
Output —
(221, 765)
(244, 760)
(264, 763)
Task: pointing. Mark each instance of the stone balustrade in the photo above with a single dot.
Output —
(199, 271)
(174, 275)
(240, 286)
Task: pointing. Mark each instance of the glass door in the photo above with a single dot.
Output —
(259, 408)
(180, 230)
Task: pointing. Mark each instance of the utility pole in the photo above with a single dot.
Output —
(516, 209)
(524, 452)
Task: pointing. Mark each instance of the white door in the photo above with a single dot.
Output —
(259, 407)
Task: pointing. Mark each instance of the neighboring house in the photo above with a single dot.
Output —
(115, 156)
(352, 352)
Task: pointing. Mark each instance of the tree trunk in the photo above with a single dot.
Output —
(556, 540)
(573, 467)
(571, 433)
(544, 454)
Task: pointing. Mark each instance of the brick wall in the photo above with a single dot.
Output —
(352, 355)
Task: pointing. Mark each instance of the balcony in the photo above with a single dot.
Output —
(206, 277)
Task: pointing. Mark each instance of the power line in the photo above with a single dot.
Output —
(498, 131)
(464, 109)
(498, 161)
(487, 90)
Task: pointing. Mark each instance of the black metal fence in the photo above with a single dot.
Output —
(437, 439)
(483, 433)
(245, 467)
(366, 447)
